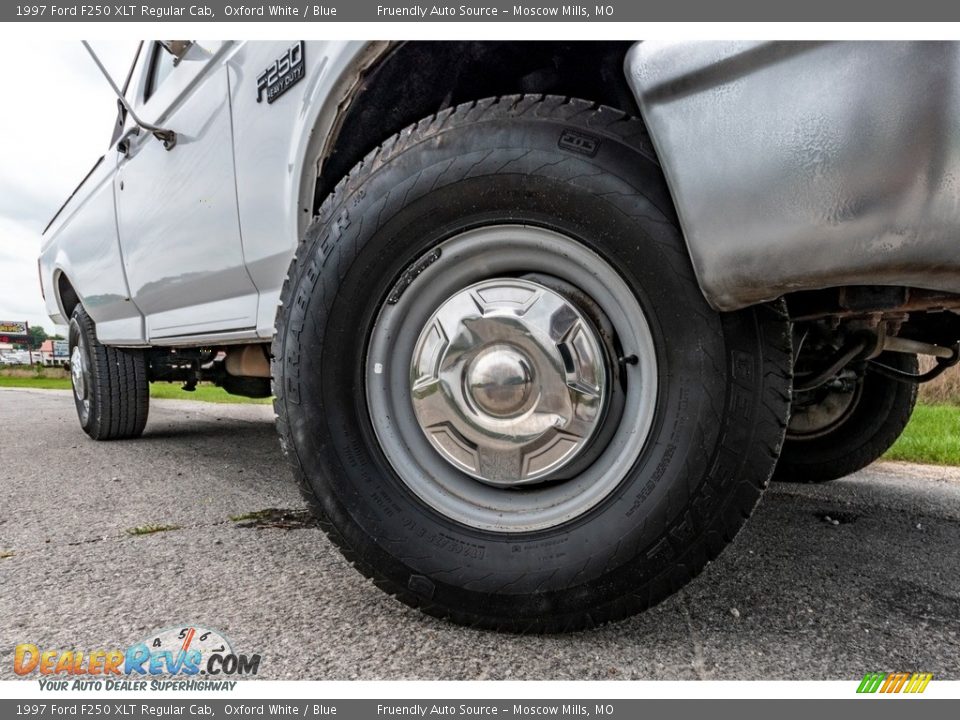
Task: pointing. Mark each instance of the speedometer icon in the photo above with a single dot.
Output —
(191, 645)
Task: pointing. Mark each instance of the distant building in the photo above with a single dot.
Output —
(53, 352)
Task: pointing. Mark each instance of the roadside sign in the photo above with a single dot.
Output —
(61, 348)
(14, 331)
(12, 327)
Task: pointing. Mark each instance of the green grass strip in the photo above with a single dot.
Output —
(166, 391)
(931, 437)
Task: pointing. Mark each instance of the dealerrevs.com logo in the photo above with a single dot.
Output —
(178, 658)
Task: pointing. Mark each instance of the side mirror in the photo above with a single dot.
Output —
(177, 48)
(167, 137)
(118, 124)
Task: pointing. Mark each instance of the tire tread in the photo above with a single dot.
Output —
(120, 393)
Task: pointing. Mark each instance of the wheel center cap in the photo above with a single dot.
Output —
(500, 380)
(508, 381)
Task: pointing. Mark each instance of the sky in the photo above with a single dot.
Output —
(58, 112)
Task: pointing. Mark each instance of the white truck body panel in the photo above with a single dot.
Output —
(192, 245)
(88, 246)
(275, 147)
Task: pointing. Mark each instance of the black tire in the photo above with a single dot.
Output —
(724, 380)
(880, 411)
(114, 384)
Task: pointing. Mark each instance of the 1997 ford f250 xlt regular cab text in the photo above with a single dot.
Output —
(539, 318)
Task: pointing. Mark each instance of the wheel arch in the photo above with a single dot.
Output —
(416, 79)
(340, 121)
(66, 296)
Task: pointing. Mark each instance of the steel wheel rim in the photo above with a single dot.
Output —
(815, 420)
(475, 256)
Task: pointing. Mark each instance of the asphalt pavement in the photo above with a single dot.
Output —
(825, 582)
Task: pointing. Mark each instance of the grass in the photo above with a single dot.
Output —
(151, 529)
(40, 383)
(203, 393)
(33, 371)
(932, 436)
(170, 391)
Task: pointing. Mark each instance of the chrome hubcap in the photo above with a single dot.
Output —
(508, 381)
(77, 374)
(80, 379)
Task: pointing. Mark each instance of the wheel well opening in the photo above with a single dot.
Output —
(67, 295)
(417, 79)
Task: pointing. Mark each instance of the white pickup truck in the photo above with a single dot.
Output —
(539, 318)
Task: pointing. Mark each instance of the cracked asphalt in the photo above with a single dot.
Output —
(795, 597)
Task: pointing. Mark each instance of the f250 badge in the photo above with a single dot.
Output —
(283, 74)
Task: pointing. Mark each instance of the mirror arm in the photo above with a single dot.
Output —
(168, 137)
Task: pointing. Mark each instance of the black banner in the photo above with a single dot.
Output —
(446, 709)
(479, 11)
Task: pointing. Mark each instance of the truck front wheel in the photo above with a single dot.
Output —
(498, 383)
(110, 387)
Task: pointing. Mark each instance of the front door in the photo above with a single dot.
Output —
(177, 208)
